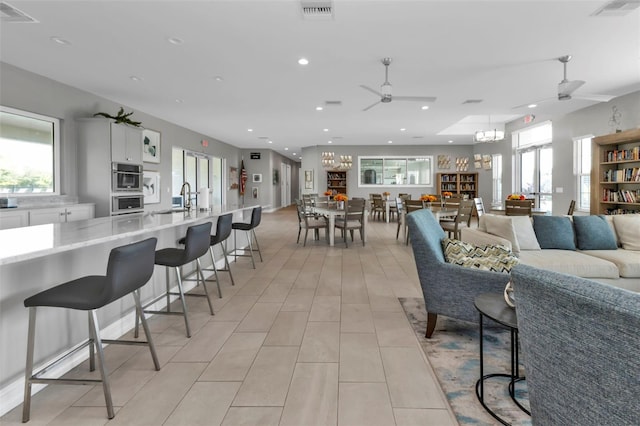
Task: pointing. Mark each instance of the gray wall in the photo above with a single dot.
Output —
(269, 193)
(31, 92)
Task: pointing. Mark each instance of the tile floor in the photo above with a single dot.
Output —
(312, 336)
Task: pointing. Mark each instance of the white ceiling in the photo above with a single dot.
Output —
(502, 52)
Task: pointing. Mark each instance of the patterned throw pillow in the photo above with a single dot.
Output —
(488, 258)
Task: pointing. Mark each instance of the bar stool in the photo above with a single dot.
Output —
(196, 245)
(250, 228)
(223, 230)
(129, 268)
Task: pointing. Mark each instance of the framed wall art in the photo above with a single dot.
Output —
(150, 146)
(308, 179)
(444, 161)
(233, 178)
(257, 178)
(151, 187)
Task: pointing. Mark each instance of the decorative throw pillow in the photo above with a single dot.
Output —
(594, 233)
(524, 233)
(628, 230)
(502, 226)
(554, 232)
(487, 258)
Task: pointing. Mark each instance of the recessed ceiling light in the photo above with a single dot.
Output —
(318, 108)
(329, 141)
(325, 130)
(286, 149)
(389, 141)
(175, 40)
(425, 107)
(218, 78)
(270, 141)
(532, 105)
(179, 101)
(249, 130)
(450, 141)
(60, 40)
(403, 129)
(294, 153)
(135, 78)
(303, 61)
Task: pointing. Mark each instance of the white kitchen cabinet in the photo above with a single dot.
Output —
(12, 218)
(126, 144)
(61, 214)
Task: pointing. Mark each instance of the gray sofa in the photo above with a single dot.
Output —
(620, 268)
(448, 289)
(580, 346)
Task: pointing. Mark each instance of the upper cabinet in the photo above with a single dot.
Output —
(126, 144)
(615, 173)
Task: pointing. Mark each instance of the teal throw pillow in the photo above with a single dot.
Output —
(594, 233)
(554, 232)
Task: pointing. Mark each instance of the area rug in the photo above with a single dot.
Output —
(453, 352)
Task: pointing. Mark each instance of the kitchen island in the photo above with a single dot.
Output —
(35, 258)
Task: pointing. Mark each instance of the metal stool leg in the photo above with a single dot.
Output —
(92, 353)
(253, 231)
(249, 238)
(215, 271)
(226, 262)
(26, 406)
(93, 318)
(184, 303)
(204, 285)
(147, 331)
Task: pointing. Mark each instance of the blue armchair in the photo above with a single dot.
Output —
(580, 342)
(448, 289)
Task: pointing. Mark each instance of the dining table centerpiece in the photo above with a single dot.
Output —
(328, 193)
(516, 197)
(340, 199)
(386, 195)
(428, 199)
(447, 194)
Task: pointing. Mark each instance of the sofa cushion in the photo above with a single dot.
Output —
(554, 232)
(627, 261)
(570, 262)
(502, 226)
(488, 258)
(609, 219)
(628, 230)
(594, 233)
(524, 233)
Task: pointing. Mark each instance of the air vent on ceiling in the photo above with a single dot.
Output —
(317, 10)
(417, 137)
(10, 14)
(617, 8)
(333, 103)
(472, 101)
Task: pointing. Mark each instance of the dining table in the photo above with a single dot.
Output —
(331, 212)
(438, 212)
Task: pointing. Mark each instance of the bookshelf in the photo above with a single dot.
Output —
(615, 173)
(465, 184)
(337, 182)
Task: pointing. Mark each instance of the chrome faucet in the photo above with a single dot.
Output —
(186, 199)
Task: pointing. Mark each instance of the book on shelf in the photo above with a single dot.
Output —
(631, 174)
(623, 154)
(621, 196)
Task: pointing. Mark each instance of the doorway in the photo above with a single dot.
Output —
(536, 167)
(285, 184)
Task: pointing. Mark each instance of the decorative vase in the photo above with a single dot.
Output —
(508, 295)
(340, 205)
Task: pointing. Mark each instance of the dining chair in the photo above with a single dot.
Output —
(411, 206)
(378, 207)
(517, 207)
(572, 206)
(400, 212)
(311, 222)
(404, 195)
(352, 220)
(478, 208)
(462, 219)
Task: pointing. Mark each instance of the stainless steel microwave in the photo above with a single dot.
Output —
(126, 177)
(122, 204)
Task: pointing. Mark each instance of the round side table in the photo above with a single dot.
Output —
(493, 306)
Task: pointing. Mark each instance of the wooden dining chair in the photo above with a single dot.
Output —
(411, 206)
(353, 220)
(462, 219)
(517, 207)
(478, 208)
(572, 206)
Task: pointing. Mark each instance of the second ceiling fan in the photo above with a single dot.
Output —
(385, 90)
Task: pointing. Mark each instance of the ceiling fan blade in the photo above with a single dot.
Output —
(415, 98)
(568, 87)
(538, 102)
(375, 92)
(590, 97)
(371, 106)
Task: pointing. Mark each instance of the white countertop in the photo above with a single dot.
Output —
(19, 244)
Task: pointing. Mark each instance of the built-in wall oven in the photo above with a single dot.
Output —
(126, 177)
(131, 203)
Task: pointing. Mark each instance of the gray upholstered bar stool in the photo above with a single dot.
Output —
(223, 231)
(128, 269)
(250, 228)
(196, 245)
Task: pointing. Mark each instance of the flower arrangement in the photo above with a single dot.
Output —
(328, 193)
(386, 194)
(447, 193)
(428, 197)
(340, 197)
(516, 197)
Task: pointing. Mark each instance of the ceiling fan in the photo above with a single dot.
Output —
(385, 90)
(566, 88)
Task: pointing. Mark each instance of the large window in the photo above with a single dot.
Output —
(534, 163)
(29, 153)
(497, 179)
(201, 171)
(401, 171)
(582, 171)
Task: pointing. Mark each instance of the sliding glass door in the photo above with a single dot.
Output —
(536, 168)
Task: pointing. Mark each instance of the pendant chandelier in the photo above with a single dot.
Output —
(488, 136)
(331, 162)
